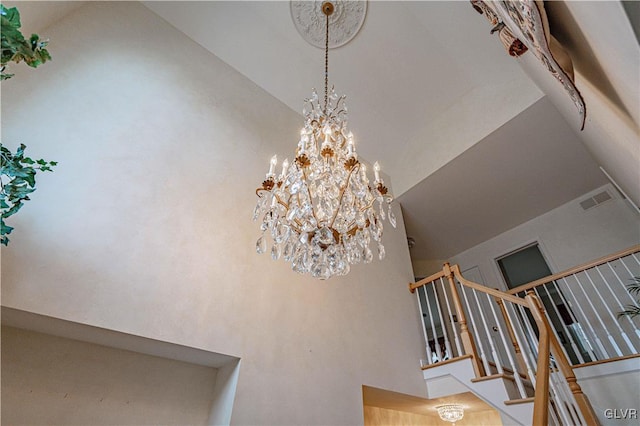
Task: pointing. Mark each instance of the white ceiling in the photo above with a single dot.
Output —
(409, 64)
(529, 166)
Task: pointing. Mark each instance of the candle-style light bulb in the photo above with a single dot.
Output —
(285, 166)
(350, 145)
(303, 141)
(272, 166)
(376, 171)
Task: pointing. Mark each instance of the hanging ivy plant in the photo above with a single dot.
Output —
(15, 48)
(17, 172)
(18, 181)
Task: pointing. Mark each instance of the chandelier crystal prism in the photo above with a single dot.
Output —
(321, 213)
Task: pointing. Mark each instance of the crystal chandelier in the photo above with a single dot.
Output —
(321, 212)
(450, 412)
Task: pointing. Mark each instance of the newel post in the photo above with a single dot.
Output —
(467, 339)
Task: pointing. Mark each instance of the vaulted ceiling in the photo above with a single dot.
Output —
(472, 145)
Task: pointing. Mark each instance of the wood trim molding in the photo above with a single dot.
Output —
(449, 361)
(493, 377)
(520, 401)
(427, 280)
(604, 361)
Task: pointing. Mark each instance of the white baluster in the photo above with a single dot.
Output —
(624, 287)
(508, 347)
(564, 327)
(492, 346)
(635, 329)
(575, 320)
(622, 333)
(433, 326)
(525, 350)
(631, 276)
(603, 352)
(447, 345)
(424, 326)
(562, 400)
(604, 327)
(532, 339)
(476, 331)
(456, 335)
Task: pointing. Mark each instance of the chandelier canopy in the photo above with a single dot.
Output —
(450, 412)
(321, 212)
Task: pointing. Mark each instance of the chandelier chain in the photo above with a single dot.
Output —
(326, 65)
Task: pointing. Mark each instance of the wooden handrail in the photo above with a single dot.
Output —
(580, 268)
(427, 280)
(541, 397)
(495, 293)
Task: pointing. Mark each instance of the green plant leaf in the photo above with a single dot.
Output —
(13, 210)
(15, 48)
(11, 15)
(4, 228)
(19, 180)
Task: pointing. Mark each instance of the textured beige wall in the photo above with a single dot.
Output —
(376, 416)
(53, 380)
(145, 226)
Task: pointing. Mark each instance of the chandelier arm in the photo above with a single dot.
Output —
(298, 230)
(313, 210)
(368, 206)
(342, 191)
(342, 98)
(285, 205)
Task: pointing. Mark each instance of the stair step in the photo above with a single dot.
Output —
(519, 401)
(506, 369)
(449, 361)
(492, 377)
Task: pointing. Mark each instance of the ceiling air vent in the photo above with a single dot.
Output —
(597, 199)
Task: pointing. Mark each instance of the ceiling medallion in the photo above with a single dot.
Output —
(321, 212)
(346, 20)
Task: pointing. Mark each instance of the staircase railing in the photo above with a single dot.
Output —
(504, 336)
(583, 303)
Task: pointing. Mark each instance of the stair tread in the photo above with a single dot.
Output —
(525, 382)
(448, 361)
(519, 401)
(492, 377)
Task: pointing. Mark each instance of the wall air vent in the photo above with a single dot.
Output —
(597, 199)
